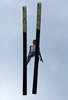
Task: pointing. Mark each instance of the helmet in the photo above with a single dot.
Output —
(34, 42)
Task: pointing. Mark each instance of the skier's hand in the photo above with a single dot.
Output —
(41, 59)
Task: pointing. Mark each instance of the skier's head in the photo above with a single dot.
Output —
(34, 42)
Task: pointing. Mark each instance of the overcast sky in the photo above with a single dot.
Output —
(53, 73)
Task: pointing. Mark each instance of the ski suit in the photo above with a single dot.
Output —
(32, 53)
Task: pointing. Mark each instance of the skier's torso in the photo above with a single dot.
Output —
(32, 51)
(32, 48)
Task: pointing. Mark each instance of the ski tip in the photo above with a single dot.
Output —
(24, 7)
(39, 4)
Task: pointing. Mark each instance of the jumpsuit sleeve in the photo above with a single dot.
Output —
(40, 53)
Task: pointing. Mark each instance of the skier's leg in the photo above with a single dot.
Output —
(30, 55)
(28, 58)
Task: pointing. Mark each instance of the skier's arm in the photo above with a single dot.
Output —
(40, 57)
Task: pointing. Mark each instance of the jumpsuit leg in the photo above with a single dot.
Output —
(30, 55)
(28, 58)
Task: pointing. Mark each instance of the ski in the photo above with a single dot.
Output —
(24, 50)
(35, 77)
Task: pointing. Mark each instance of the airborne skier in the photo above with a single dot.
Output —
(32, 52)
